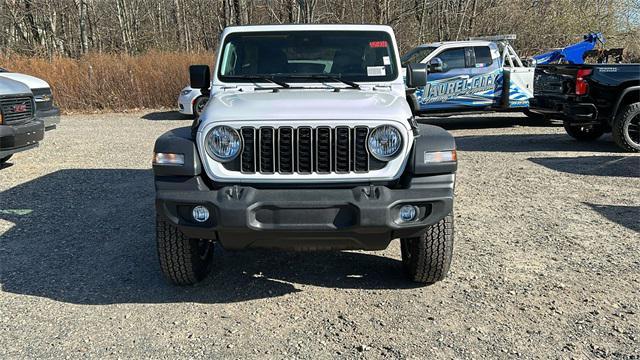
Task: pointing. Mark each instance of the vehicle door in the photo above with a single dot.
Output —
(486, 75)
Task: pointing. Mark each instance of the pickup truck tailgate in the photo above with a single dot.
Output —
(553, 80)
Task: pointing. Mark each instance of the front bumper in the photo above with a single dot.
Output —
(50, 117)
(16, 138)
(358, 217)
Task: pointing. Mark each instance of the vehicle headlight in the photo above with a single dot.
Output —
(223, 143)
(384, 142)
(185, 92)
(42, 98)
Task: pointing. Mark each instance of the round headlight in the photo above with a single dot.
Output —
(223, 143)
(384, 142)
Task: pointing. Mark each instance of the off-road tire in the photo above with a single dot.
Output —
(198, 105)
(183, 260)
(5, 159)
(584, 133)
(629, 116)
(427, 258)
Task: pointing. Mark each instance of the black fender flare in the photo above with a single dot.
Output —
(431, 138)
(178, 141)
(626, 91)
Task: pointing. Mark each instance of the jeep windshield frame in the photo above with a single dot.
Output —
(308, 56)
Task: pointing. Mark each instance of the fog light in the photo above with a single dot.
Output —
(408, 213)
(200, 213)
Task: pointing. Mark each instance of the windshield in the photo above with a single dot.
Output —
(416, 55)
(308, 56)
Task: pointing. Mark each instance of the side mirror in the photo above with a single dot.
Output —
(435, 65)
(416, 75)
(200, 77)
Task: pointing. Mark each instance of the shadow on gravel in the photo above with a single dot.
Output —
(533, 142)
(165, 115)
(481, 121)
(626, 216)
(623, 166)
(87, 237)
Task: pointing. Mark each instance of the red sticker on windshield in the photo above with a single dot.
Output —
(378, 44)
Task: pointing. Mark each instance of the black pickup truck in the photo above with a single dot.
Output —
(591, 100)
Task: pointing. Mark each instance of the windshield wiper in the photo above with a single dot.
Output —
(336, 78)
(261, 77)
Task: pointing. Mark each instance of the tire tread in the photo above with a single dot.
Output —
(431, 253)
(617, 128)
(175, 253)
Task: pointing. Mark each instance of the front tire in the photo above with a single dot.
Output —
(5, 159)
(584, 132)
(626, 128)
(427, 258)
(183, 261)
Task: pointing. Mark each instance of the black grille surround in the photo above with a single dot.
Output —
(305, 150)
(16, 109)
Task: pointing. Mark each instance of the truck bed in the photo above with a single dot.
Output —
(555, 90)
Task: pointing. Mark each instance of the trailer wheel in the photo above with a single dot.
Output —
(626, 128)
(584, 132)
(5, 159)
(427, 258)
(183, 261)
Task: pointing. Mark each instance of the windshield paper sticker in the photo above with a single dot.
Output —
(378, 44)
(445, 89)
(386, 60)
(376, 71)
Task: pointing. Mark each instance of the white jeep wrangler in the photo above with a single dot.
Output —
(309, 143)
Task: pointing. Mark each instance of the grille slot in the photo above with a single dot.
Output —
(343, 149)
(323, 150)
(267, 153)
(304, 150)
(16, 109)
(248, 157)
(285, 150)
(361, 154)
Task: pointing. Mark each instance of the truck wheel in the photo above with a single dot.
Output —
(198, 105)
(5, 159)
(183, 261)
(584, 132)
(626, 128)
(427, 258)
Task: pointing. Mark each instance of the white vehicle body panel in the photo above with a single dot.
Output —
(185, 102)
(31, 81)
(317, 104)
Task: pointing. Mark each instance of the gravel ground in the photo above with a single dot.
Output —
(546, 263)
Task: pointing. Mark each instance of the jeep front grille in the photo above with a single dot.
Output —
(305, 150)
(16, 109)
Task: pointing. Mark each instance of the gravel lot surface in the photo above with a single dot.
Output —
(546, 263)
